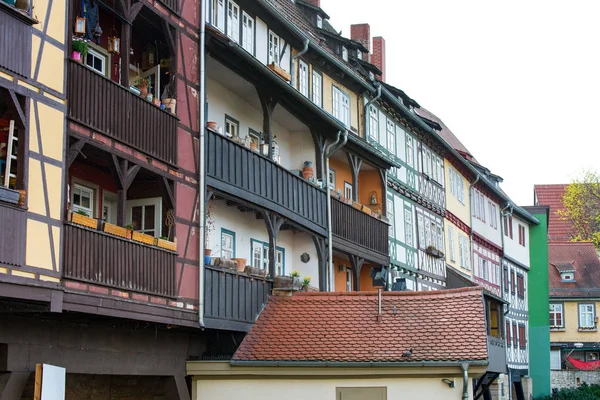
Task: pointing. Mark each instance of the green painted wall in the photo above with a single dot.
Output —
(538, 297)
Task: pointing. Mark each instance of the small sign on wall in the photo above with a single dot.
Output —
(49, 382)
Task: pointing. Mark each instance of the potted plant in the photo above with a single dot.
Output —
(79, 46)
(130, 229)
(210, 226)
(431, 250)
(143, 84)
(306, 283)
(291, 282)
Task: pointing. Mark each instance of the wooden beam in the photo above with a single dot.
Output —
(383, 178)
(355, 164)
(125, 46)
(74, 150)
(170, 39)
(356, 262)
(125, 176)
(169, 192)
(268, 104)
(320, 145)
(274, 223)
(322, 256)
(15, 385)
(17, 105)
(133, 11)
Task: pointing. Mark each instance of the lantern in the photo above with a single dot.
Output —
(80, 25)
(114, 43)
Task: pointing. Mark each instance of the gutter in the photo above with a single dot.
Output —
(201, 172)
(294, 58)
(329, 151)
(353, 364)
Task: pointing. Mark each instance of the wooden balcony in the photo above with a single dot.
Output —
(247, 175)
(12, 235)
(106, 260)
(496, 354)
(233, 300)
(15, 31)
(109, 108)
(357, 233)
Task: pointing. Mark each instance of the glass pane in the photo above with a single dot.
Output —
(85, 200)
(136, 217)
(77, 197)
(98, 64)
(149, 212)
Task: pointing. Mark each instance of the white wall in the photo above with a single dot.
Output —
(325, 389)
(247, 227)
(512, 248)
(262, 41)
(484, 229)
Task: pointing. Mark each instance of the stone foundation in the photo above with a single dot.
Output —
(573, 378)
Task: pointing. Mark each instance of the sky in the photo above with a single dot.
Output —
(518, 82)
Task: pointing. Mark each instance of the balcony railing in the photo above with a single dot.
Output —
(15, 28)
(239, 171)
(496, 354)
(107, 260)
(359, 232)
(109, 108)
(233, 300)
(12, 235)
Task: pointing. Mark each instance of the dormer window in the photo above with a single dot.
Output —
(566, 271)
(319, 21)
(344, 53)
(567, 277)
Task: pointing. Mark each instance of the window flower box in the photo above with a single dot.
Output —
(166, 244)
(280, 71)
(9, 196)
(84, 220)
(432, 251)
(287, 283)
(116, 230)
(142, 238)
(258, 272)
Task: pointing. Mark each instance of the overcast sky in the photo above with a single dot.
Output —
(517, 81)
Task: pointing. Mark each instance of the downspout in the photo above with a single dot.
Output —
(294, 58)
(366, 110)
(503, 290)
(472, 203)
(329, 151)
(465, 370)
(201, 165)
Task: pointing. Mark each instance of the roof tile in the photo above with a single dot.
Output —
(552, 195)
(581, 257)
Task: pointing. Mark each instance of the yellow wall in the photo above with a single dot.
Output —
(462, 211)
(570, 333)
(328, 83)
(455, 233)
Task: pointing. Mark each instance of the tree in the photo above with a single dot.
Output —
(582, 207)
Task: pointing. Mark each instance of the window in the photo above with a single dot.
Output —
(461, 251)
(390, 215)
(587, 315)
(451, 242)
(347, 190)
(514, 334)
(233, 21)
(508, 226)
(508, 342)
(341, 106)
(467, 253)
(420, 230)
(11, 170)
(344, 53)
(227, 244)
(248, 33)
(109, 207)
(556, 315)
(555, 360)
(231, 126)
(218, 14)
(331, 180)
(391, 137)
(493, 222)
(273, 48)
(317, 88)
(506, 279)
(521, 235)
(373, 123)
(484, 268)
(408, 227)
(254, 139)
(303, 77)
(260, 256)
(520, 286)
(319, 22)
(522, 337)
(82, 200)
(96, 60)
(409, 151)
(146, 215)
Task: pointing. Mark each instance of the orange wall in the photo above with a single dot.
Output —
(342, 173)
(340, 277)
(369, 181)
(366, 283)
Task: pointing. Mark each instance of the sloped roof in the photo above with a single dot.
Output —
(578, 256)
(444, 325)
(552, 195)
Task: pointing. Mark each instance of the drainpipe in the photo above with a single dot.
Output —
(472, 203)
(329, 151)
(366, 110)
(201, 163)
(465, 370)
(294, 58)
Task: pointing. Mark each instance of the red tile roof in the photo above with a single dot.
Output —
(444, 325)
(552, 195)
(580, 256)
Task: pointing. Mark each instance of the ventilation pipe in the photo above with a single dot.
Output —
(294, 58)
(201, 163)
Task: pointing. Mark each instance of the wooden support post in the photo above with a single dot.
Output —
(322, 256)
(74, 151)
(356, 262)
(169, 191)
(125, 176)
(383, 177)
(274, 223)
(268, 103)
(125, 46)
(320, 145)
(14, 385)
(355, 164)
(18, 108)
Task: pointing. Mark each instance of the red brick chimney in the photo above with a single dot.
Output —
(378, 57)
(362, 34)
(316, 3)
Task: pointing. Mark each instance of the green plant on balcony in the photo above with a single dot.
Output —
(144, 85)
(306, 282)
(82, 212)
(80, 47)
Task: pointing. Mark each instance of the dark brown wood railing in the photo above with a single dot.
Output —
(106, 260)
(12, 235)
(15, 31)
(248, 175)
(172, 5)
(233, 297)
(105, 106)
(359, 228)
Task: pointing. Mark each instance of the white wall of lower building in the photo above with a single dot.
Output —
(512, 247)
(246, 227)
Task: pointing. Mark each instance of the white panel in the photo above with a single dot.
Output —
(285, 56)
(400, 254)
(262, 41)
(382, 129)
(399, 217)
(402, 175)
(400, 143)
(53, 382)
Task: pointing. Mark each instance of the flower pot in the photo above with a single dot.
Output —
(253, 146)
(307, 171)
(23, 5)
(212, 125)
(206, 260)
(76, 56)
(287, 283)
(241, 264)
(261, 273)
(150, 97)
(143, 91)
(22, 197)
(170, 104)
(156, 102)
(207, 252)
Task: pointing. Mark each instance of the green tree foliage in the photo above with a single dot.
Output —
(583, 392)
(582, 207)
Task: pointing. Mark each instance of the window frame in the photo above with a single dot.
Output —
(218, 15)
(331, 179)
(522, 336)
(317, 92)
(410, 151)
(555, 312)
(451, 243)
(306, 91)
(88, 187)
(229, 120)
(233, 28)
(521, 235)
(98, 52)
(245, 30)
(391, 136)
(230, 233)
(374, 123)
(342, 113)
(274, 51)
(520, 286)
(408, 227)
(508, 333)
(391, 218)
(593, 315)
(264, 261)
(148, 201)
